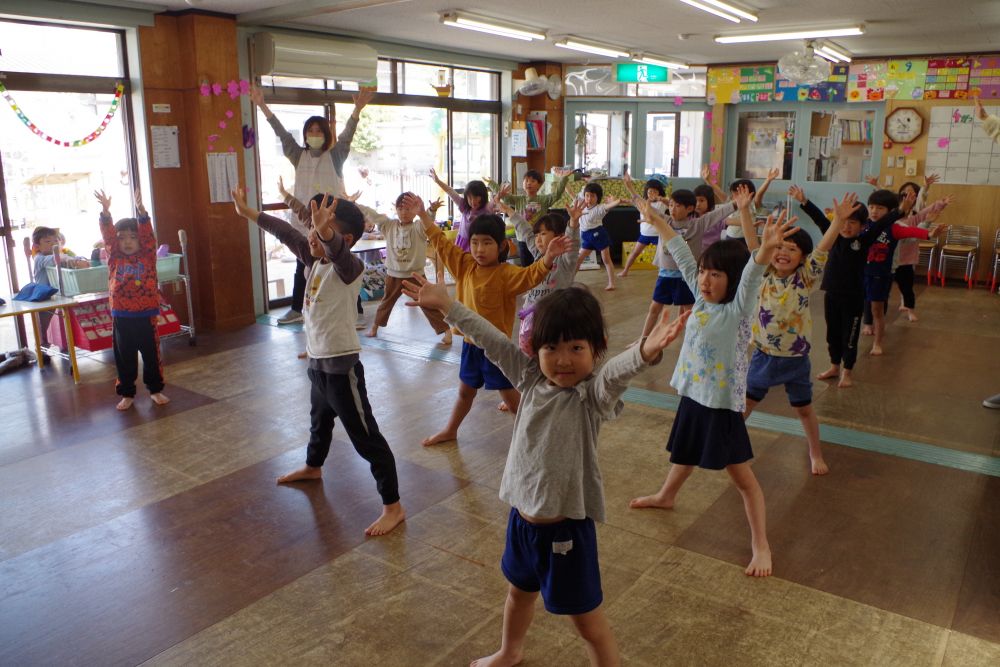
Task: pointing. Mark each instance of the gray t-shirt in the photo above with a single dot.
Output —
(564, 269)
(552, 468)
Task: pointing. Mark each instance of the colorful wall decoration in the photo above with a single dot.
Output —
(904, 79)
(866, 82)
(834, 89)
(735, 85)
(66, 143)
(947, 78)
(984, 78)
(959, 151)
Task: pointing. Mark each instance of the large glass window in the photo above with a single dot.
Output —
(473, 145)
(27, 47)
(765, 142)
(662, 139)
(603, 141)
(840, 146)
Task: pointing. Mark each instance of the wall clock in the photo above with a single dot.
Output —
(904, 125)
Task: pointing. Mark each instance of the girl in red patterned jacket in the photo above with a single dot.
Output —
(135, 300)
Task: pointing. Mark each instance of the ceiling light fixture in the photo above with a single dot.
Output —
(489, 26)
(732, 9)
(590, 47)
(703, 6)
(657, 60)
(799, 34)
(834, 51)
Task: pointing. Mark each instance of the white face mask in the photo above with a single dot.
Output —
(315, 142)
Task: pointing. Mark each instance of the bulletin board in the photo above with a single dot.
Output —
(866, 82)
(947, 79)
(959, 150)
(735, 85)
(834, 89)
(904, 79)
(984, 78)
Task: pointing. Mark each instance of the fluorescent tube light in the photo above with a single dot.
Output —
(826, 49)
(711, 10)
(800, 34)
(656, 60)
(732, 10)
(823, 54)
(470, 22)
(587, 47)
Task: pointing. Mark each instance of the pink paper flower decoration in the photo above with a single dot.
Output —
(244, 87)
(212, 138)
(678, 101)
(233, 88)
(232, 150)
(907, 150)
(943, 142)
(714, 167)
(216, 88)
(205, 90)
(229, 113)
(708, 115)
(211, 148)
(222, 124)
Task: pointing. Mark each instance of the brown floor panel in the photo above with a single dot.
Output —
(978, 612)
(888, 532)
(123, 592)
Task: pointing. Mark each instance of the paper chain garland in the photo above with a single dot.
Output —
(119, 91)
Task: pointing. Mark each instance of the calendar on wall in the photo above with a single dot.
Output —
(959, 150)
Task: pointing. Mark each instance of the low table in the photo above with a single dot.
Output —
(32, 308)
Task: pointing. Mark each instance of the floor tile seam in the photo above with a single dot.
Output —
(490, 619)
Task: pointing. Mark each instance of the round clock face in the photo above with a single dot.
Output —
(904, 125)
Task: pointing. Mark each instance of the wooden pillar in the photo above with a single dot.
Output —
(179, 54)
(552, 155)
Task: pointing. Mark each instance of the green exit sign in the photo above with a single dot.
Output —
(639, 73)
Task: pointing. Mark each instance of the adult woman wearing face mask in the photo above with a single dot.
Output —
(319, 169)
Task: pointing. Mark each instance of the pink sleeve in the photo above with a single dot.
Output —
(906, 232)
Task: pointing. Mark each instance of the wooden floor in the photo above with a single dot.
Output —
(159, 537)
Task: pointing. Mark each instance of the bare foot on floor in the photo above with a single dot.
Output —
(303, 474)
(867, 330)
(392, 516)
(159, 398)
(446, 339)
(610, 287)
(372, 333)
(829, 374)
(503, 407)
(498, 659)
(622, 274)
(654, 501)
(819, 466)
(440, 438)
(125, 403)
(760, 564)
(876, 351)
(911, 316)
(845, 381)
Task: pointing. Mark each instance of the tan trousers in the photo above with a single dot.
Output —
(393, 290)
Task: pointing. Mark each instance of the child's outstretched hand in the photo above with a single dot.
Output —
(843, 209)
(560, 245)
(104, 199)
(575, 210)
(663, 334)
(872, 181)
(742, 197)
(706, 174)
(980, 111)
(931, 179)
(239, 196)
(323, 215)
(281, 187)
(797, 193)
(435, 205)
(427, 294)
(434, 175)
(772, 174)
(775, 231)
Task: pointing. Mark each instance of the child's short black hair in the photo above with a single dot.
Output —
(572, 313)
(804, 242)
(535, 175)
(684, 198)
(320, 199)
(553, 222)
(654, 184)
(324, 127)
(886, 198)
(40, 233)
(708, 193)
(401, 197)
(734, 186)
(860, 214)
(127, 225)
(476, 189)
(729, 256)
(350, 219)
(596, 190)
(492, 226)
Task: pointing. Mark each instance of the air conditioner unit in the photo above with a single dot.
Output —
(291, 55)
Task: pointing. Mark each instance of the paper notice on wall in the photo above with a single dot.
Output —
(223, 176)
(519, 143)
(166, 152)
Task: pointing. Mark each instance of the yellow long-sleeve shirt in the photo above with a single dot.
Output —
(491, 291)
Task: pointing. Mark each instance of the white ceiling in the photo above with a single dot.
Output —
(894, 27)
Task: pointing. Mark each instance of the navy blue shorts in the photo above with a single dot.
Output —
(672, 292)
(558, 559)
(595, 239)
(767, 371)
(877, 287)
(476, 370)
(648, 240)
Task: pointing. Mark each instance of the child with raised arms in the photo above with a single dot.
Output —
(472, 203)
(709, 430)
(487, 284)
(333, 281)
(593, 236)
(657, 195)
(552, 480)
